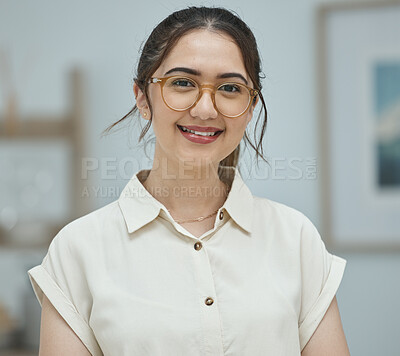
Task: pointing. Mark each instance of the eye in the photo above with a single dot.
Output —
(230, 88)
(182, 82)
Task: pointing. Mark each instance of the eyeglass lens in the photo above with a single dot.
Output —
(231, 99)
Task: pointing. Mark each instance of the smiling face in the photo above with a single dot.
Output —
(208, 58)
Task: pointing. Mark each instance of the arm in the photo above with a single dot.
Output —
(329, 338)
(56, 336)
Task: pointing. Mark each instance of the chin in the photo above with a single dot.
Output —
(197, 160)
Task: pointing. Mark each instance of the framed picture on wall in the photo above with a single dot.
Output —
(358, 53)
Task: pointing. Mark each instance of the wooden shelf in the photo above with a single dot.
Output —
(69, 126)
(36, 128)
(51, 230)
(18, 352)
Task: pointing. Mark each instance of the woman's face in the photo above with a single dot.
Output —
(205, 57)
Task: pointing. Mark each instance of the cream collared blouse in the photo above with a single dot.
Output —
(130, 281)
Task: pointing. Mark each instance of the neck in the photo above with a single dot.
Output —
(186, 190)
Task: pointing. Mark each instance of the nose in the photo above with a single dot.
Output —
(204, 107)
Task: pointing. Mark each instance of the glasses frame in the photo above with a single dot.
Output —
(252, 92)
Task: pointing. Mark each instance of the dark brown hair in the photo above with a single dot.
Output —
(166, 35)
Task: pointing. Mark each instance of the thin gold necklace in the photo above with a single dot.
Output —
(201, 218)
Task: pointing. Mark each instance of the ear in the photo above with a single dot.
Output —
(141, 102)
(256, 102)
(251, 109)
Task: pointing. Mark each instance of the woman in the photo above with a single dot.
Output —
(187, 261)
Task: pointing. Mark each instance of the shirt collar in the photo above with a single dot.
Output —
(139, 207)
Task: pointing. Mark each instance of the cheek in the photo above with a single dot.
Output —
(235, 130)
(164, 123)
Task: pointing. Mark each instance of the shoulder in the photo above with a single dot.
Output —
(95, 220)
(89, 230)
(278, 213)
(285, 226)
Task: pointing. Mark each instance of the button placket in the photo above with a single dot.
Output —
(210, 316)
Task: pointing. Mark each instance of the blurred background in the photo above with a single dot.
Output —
(332, 74)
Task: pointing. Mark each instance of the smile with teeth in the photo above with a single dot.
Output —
(198, 132)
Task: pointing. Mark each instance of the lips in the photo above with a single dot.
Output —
(201, 128)
(205, 131)
(206, 135)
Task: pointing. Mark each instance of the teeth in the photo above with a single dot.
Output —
(198, 132)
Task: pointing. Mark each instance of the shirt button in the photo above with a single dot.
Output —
(221, 215)
(198, 246)
(209, 301)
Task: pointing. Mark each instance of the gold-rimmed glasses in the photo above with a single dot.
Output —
(230, 99)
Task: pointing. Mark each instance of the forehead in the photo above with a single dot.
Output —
(208, 52)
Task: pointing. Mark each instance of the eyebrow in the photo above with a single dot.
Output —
(196, 72)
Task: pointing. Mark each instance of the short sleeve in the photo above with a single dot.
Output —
(321, 274)
(61, 277)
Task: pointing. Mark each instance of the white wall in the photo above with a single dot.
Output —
(104, 37)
